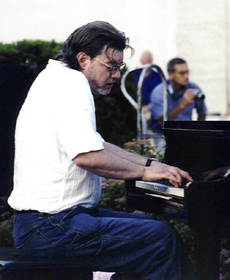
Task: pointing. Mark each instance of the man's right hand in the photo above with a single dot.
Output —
(188, 97)
(158, 171)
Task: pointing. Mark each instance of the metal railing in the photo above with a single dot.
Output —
(141, 121)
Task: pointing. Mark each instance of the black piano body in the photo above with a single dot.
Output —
(197, 147)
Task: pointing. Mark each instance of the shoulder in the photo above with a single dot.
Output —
(157, 95)
(158, 89)
(58, 75)
(192, 85)
(57, 81)
(137, 73)
(56, 67)
(155, 74)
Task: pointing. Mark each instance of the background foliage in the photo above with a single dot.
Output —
(28, 52)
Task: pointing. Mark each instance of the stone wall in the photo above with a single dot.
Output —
(196, 30)
(202, 38)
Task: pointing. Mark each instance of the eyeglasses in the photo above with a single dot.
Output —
(113, 68)
(182, 73)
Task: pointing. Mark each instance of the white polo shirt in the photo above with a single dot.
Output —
(55, 124)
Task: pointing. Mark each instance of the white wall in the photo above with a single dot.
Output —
(148, 23)
(202, 37)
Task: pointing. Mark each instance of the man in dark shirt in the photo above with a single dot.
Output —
(152, 79)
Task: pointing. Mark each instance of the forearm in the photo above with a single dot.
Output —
(135, 158)
(111, 163)
(176, 111)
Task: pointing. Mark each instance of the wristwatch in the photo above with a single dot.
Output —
(149, 160)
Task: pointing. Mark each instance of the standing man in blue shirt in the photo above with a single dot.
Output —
(183, 97)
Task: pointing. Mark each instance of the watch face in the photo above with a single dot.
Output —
(148, 163)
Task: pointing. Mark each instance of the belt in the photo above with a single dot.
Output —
(28, 212)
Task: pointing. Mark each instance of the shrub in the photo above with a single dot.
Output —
(6, 228)
(113, 195)
(28, 52)
(225, 260)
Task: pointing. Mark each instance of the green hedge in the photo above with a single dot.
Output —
(28, 52)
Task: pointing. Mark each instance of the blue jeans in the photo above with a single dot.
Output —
(134, 246)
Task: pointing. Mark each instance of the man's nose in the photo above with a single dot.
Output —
(186, 74)
(116, 74)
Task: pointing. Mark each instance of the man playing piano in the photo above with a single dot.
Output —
(59, 161)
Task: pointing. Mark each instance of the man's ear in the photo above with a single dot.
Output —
(171, 75)
(82, 59)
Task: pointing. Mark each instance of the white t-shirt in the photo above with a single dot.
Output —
(55, 124)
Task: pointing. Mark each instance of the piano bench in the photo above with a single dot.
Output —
(14, 266)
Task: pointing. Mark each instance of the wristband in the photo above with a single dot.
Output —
(149, 160)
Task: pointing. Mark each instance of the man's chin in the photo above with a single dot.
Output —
(186, 82)
(103, 91)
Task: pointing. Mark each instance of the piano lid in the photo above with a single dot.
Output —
(197, 125)
(197, 146)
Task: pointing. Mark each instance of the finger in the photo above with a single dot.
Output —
(174, 178)
(186, 175)
(176, 173)
(175, 184)
(181, 174)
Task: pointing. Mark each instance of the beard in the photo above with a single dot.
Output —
(96, 89)
(102, 90)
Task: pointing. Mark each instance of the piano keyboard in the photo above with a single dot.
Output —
(163, 187)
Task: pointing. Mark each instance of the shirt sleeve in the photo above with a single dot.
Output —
(157, 99)
(200, 107)
(200, 104)
(75, 119)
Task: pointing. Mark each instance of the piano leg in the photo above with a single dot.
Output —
(204, 221)
(208, 252)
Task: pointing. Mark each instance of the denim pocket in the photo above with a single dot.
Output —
(63, 230)
(81, 231)
(27, 234)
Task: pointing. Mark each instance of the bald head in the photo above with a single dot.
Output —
(146, 58)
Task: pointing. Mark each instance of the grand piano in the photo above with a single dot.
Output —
(197, 147)
(202, 148)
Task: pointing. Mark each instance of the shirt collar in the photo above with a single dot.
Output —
(172, 92)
